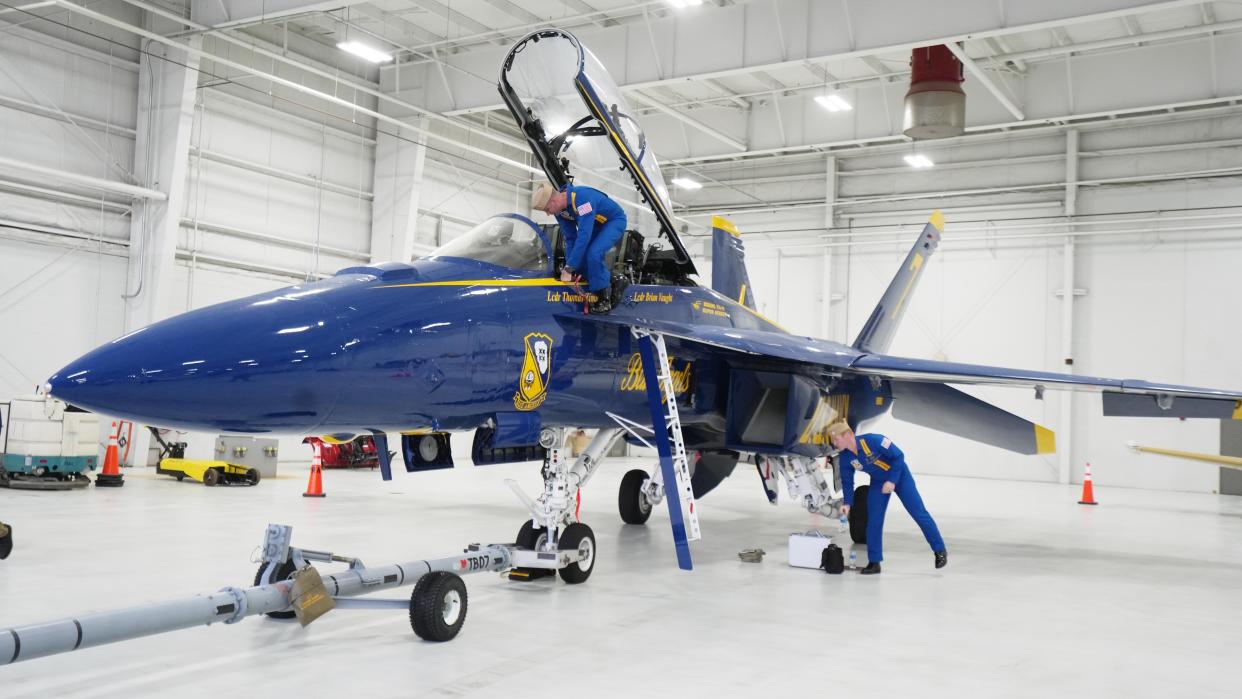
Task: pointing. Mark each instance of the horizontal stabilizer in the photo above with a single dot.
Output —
(946, 409)
(1158, 405)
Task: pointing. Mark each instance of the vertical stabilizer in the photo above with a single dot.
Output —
(729, 263)
(878, 332)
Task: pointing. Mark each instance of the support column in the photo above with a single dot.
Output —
(1065, 444)
(166, 93)
(826, 276)
(398, 182)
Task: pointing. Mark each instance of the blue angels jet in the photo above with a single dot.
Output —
(481, 335)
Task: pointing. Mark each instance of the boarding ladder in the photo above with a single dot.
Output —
(674, 464)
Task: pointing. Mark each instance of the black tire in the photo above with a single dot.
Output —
(438, 606)
(858, 515)
(529, 535)
(253, 477)
(211, 477)
(577, 536)
(282, 573)
(631, 500)
(180, 477)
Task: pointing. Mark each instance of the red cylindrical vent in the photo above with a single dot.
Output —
(935, 103)
(934, 64)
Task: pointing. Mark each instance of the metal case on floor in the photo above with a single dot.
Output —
(806, 549)
(251, 452)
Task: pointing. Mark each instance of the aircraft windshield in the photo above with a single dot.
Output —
(506, 241)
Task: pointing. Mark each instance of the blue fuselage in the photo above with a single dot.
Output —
(442, 344)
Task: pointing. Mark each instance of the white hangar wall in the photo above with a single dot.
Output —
(1156, 304)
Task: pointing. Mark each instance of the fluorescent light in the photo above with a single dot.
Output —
(364, 51)
(683, 183)
(833, 103)
(918, 160)
(680, 4)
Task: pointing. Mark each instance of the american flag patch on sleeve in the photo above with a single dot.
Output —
(886, 443)
(584, 209)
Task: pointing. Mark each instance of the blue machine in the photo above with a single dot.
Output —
(481, 334)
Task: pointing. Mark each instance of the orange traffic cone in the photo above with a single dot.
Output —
(314, 486)
(111, 476)
(1088, 493)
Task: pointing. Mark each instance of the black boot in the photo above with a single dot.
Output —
(871, 569)
(942, 559)
(6, 541)
(602, 304)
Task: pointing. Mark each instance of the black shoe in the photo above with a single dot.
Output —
(942, 559)
(6, 541)
(600, 305)
(871, 569)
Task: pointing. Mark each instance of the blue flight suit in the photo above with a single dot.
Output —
(884, 462)
(592, 224)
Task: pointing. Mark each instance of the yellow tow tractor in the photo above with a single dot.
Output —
(173, 463)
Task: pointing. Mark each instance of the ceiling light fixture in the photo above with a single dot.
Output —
(364, 51)
(918, 160)
(833, 103)
(683, 183)
(681, 4)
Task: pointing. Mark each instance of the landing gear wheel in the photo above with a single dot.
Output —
(438, 606)
(858, 515)
(578, 537)
(530, 537)
(253, 477)
(211, 477)
(282, 573)
(631, 500)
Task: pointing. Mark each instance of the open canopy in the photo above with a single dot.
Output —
(580, 127)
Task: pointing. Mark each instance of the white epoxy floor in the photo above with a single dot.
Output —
(1136, 597)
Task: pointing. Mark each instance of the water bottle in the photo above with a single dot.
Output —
(853, 560)
(845, 522)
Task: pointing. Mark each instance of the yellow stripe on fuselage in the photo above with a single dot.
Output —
(548, 281)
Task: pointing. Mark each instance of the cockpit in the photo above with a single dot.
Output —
(515, 242)
(507, 240)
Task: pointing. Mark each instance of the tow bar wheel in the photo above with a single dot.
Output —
(438, 606)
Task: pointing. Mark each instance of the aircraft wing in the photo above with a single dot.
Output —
(1122, 397)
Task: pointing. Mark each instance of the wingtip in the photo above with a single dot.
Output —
(937, 220)
(1045, 440)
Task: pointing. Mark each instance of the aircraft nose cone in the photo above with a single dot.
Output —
(266, 363)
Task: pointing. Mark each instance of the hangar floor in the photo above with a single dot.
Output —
(1138, 596)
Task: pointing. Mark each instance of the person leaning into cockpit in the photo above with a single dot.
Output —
(592, 224)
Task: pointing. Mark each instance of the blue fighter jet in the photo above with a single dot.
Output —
(481, 335)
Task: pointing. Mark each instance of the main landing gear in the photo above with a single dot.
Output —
(553, 540)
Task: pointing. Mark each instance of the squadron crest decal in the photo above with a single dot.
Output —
(536, 370)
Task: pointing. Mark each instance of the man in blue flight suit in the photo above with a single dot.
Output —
(886, 464)
(592, 224)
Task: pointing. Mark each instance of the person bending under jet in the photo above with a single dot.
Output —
(592, 224)
(886, 464)
(6, 540)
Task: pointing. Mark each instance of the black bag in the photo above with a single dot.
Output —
(832, 560)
